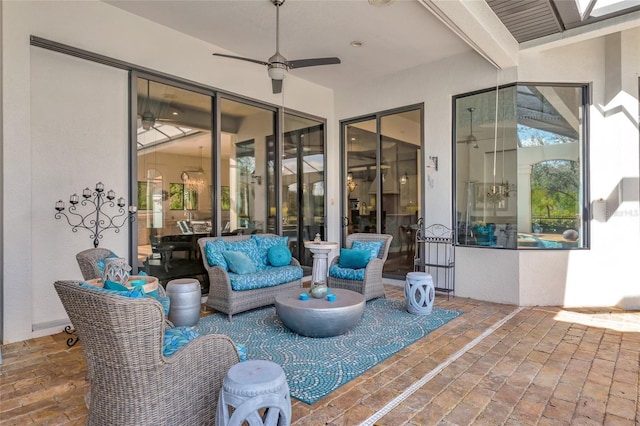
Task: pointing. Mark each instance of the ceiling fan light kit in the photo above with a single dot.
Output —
(278, 65)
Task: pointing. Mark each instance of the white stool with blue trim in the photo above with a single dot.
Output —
(250, 386)
(419, 293)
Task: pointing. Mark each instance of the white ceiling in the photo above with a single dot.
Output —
(399, 36)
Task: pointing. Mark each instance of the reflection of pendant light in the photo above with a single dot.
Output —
(471, 139)
(404, 179)
(148, 119)
(351, 184)
(194, 178)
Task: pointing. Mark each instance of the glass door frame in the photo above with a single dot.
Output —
(344, 199)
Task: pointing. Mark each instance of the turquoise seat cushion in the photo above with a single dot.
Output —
(165, 302)
(354, 259)
(238, 262)
(112, 285)
(101, 262)
(346, 273)
(279, 255)
(264, 243)
(249, 247)
(269, 276)
(175, 338)
(213, 252)
(242, 352)
(373, 246)
(133, 293)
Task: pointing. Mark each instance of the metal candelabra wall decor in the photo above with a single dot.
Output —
(97, 219)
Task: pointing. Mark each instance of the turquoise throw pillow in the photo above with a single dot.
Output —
(238, 262)
(354, 259)
(213, 251)
(175, 338)
(373, 247)
(279, 255)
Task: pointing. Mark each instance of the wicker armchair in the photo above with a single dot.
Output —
(371, 287)
(88, 261)
(131, 382)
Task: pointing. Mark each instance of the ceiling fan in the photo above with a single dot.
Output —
(278, 65)
(148, 119)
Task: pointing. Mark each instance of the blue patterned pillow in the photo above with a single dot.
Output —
(354, 259)
(248, 247)
(266, 242)
(373, 246)
(239, 263)
(175, 338)
(102, 262)
(347, 273)
(213, 251)
(279, 255)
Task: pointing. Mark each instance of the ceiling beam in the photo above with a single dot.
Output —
(476, 24)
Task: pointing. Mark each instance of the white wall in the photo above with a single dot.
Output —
(569, 278)
(31, 238)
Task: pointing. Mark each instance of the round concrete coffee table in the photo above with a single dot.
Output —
(320, 317)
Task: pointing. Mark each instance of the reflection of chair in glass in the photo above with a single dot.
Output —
(369, 283)
(131, 380)
(435, 255)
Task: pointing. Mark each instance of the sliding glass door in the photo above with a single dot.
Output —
(173, 179)
(382, 180)
(302, 182)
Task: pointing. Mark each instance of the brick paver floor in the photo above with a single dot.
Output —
(543, 366)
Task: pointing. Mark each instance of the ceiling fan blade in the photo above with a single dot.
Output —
(300, 63)
(241, 58)
(276, 85)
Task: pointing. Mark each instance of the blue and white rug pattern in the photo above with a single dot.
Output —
(316, 367)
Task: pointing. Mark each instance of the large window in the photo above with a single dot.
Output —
(520, 177)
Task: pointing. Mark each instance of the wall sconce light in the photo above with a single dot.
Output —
(404, 179)
(432, 163)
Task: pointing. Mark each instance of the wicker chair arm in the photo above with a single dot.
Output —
(334, 261)
(294, 262)
(211, 351)
(373, 269)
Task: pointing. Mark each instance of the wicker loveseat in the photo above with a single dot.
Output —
(131, 380)
(260, 288)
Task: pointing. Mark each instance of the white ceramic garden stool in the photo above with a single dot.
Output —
(185, 295)
(419, 293)
(250, 386)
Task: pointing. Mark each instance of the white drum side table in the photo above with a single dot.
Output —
(320, 250)
(419, 293)
(250, 386)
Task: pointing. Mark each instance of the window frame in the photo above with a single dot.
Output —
(584, 192)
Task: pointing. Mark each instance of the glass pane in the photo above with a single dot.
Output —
(401, 177)
(519, 167)
(303, 179)
(362, 176)
(246, 132)
(174, 180)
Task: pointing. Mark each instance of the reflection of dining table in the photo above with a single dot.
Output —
(320, 250)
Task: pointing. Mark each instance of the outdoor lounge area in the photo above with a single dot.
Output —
(413, 212)
(541, 366)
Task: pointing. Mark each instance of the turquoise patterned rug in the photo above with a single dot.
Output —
(316, 367)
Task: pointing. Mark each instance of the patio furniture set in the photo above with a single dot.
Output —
(147, 365)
